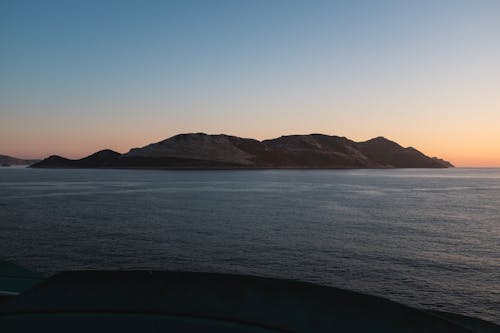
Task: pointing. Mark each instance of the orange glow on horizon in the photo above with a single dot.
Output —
(469, 156)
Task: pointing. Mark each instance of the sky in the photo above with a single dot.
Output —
(80, 76)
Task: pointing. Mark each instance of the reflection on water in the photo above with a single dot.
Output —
(423, 237)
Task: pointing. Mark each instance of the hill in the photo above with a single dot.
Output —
(6, 160)
(199, 150)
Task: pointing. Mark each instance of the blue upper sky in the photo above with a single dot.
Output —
(77, 76)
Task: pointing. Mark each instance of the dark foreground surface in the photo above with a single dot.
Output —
(138, 301)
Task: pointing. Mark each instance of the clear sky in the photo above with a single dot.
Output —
(79, 76)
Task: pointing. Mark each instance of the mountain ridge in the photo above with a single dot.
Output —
(200, 150)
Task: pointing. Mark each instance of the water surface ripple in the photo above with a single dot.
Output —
(427, 238)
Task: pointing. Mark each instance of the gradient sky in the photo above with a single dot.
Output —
(79, 76)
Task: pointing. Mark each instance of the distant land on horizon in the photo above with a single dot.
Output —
(6, 160)
(204, 151)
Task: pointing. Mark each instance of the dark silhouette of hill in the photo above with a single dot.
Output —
(390, 154)
(103, 158)
(6, 160)
(199, 150)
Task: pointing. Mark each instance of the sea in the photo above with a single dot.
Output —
(428, 238)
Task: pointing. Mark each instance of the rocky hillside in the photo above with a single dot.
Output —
(199, 150)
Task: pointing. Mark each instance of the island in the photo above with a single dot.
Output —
(204, 151)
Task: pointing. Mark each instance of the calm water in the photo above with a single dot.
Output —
(429, 238)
